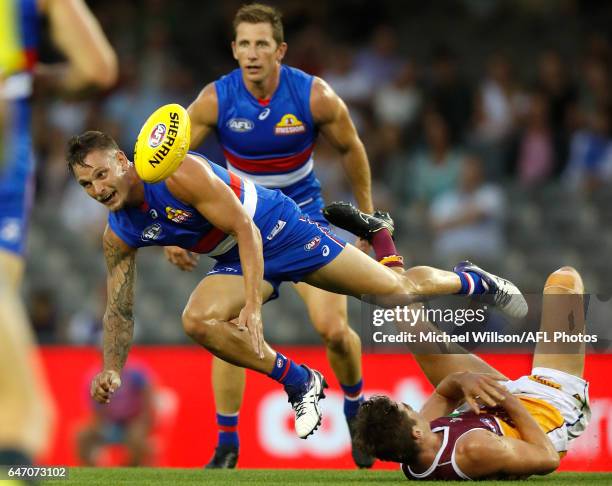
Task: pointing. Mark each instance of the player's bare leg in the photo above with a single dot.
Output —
(211, 321)
(562, 310)
(329, 316)
(354, 273)
(207, 319)
(12, 267)
(26, 412)
(378, 229)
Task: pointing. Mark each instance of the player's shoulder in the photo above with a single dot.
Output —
(194, 173)
(229, 80)
(479, 452)
(473, 445)
(324, 102)
(206, 101)
(297, 73)
(113, 244)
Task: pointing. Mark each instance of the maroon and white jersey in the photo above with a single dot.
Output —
(453, 427)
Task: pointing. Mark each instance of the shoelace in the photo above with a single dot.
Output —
(300, 404)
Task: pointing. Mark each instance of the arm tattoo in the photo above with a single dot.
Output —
(118, 318)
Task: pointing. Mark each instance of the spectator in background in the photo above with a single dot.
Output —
(500, 104)
(561, 95)
(432, 170)
(468, 221)
(398, 101)
(127, 420)
(449, 93)
(349, 84)
(595, 92)
(379, 61)
(590, 161)
(536, 147)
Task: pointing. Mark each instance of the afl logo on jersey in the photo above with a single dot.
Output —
(289, 125)
(240, 125)
(312, 244)
(157, 135)
(152, 232)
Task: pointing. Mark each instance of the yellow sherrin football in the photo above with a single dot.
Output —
(162, 143)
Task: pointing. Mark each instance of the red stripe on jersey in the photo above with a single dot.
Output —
(215, 236)
(264, 166)
(31, 56)
(235, 184)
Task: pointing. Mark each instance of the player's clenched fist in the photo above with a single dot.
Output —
(104, 385)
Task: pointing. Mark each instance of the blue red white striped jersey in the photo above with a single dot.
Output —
(163, 220)
(269, 143)
(18, 54)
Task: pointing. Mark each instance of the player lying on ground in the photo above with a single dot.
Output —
(259, 238)
(480, 424)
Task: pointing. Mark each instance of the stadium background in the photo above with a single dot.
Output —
(505, 104)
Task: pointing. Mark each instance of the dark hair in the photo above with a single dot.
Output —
(257, 13)
(383, 430)
(81, 145)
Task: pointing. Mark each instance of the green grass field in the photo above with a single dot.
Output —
(176, 477)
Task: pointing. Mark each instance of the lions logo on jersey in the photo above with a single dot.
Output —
(289, 125)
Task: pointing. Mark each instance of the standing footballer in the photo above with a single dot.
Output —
(267, 117)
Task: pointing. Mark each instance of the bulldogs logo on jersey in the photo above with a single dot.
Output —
(177, 215)
(289, 125)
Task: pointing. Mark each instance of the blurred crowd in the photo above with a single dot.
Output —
(457, 103)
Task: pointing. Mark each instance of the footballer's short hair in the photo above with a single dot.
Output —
(384, 430)
(258, 13)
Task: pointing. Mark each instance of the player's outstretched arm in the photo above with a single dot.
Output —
(118, 318)
(195, 183)
(332, 117)
(203, 113)
(76, 32)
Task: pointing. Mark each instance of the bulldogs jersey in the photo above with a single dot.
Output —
(271, 143)
(18, 54)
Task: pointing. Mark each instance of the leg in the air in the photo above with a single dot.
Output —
(562, 311)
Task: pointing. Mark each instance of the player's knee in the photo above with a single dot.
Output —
(335, 334)
(418, 280)
(198, 323)
(565, 280)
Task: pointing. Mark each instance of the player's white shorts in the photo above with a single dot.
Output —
(568, 394)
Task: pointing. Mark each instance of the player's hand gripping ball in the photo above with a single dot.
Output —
(162, 143)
